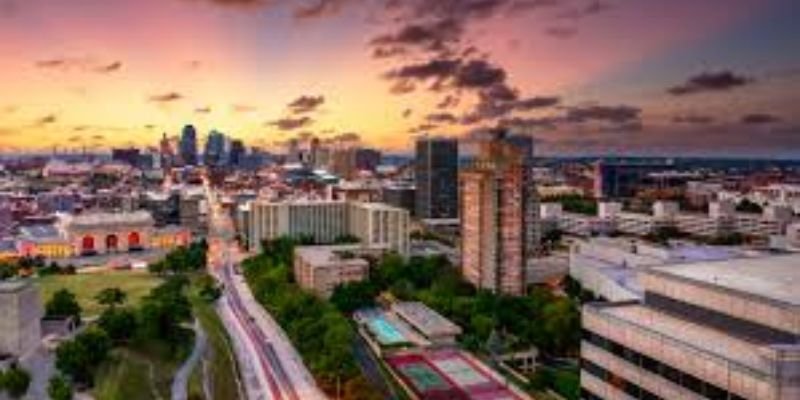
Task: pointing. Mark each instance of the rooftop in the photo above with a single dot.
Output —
(104, 219)
(425, 319)
(324, 255)
(776, 278)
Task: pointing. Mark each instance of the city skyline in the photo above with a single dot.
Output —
(583, 76)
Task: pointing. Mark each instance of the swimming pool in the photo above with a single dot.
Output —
(385, 332)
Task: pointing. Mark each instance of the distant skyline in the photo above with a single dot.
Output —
(623, 77)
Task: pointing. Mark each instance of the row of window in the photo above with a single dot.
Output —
(680, 378)
(618, 382)
(749, 330)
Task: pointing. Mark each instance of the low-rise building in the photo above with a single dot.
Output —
(20, 327)
(320, 269)
(427, 322)
(715, 330)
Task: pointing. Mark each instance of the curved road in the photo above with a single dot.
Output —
(181, 379)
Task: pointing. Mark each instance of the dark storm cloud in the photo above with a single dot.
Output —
(479, 74)
(290, 124)
(693, 119)
(613, 114)
(306, 104)
(168, 97)
(46, 120)
(760, 119)
(710, 82)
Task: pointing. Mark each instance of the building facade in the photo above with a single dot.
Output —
(376, 225)
(320, 269)
(711, 330)
(188, 145)
(499, 217)
(436, 174)
(20, 327)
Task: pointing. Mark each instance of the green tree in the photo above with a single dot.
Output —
(16, 382)
(63, 303)
(119, 323)
(8, 270)
(111, 297)
(350, 297)
(72, 359)
(59, 388)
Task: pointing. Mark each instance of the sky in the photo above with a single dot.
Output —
(616, 77)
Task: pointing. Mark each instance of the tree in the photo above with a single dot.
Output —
(119, 323)
(72, 359)
(63, 304)
(111, 297)
(16, 382)
(96, 343)
(350, 297)
(59, 388)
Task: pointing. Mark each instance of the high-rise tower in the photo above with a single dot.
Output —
(436, 171)
(499, 215)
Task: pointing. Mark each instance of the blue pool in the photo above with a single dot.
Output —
(386, 333)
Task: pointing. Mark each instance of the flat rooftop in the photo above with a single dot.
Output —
(324, 255)
(428, 321)
(775, 278)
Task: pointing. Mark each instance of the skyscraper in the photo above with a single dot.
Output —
(237, 152)
(498, 215)
(215, 149)
(188, 145)
(436, 171)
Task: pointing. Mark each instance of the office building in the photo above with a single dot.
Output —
(215, 154)
(130, 156)
(188, 145)
(615, 180)
(708, 330)
(377, 226)
(436, 174)
(320, 269)
(499, 216)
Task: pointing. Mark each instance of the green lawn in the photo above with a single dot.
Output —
(85, 286)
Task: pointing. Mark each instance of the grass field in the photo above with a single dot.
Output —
(85, 286)
(140, 373)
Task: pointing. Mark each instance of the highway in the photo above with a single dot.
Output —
(272, 368)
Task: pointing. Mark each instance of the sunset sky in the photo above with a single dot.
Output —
(653, 77)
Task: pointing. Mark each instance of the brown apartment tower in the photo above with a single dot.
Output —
(499, 214)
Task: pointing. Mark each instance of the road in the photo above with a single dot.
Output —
(181, 379)
(272, 367)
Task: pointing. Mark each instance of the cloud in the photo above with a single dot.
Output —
(46, 120)
(760, 119)
(621, 114)
(203, 110)
(166, 97)
(112, 67)
(319, 9)
(290, 124)
(441, 118)
(243, 108)
(537, 102)
(718, 81)
(407, 112)
(430, 35)
(561, 32)
(432, 69)
(423, 128)
(403, 86)
(306, 104)
(81, 64)
(448, 102)
(529, 123)
(693, 119)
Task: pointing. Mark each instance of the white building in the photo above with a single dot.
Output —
(708, 330)
(376, 225)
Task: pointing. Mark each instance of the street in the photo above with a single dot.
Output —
(263, 350)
